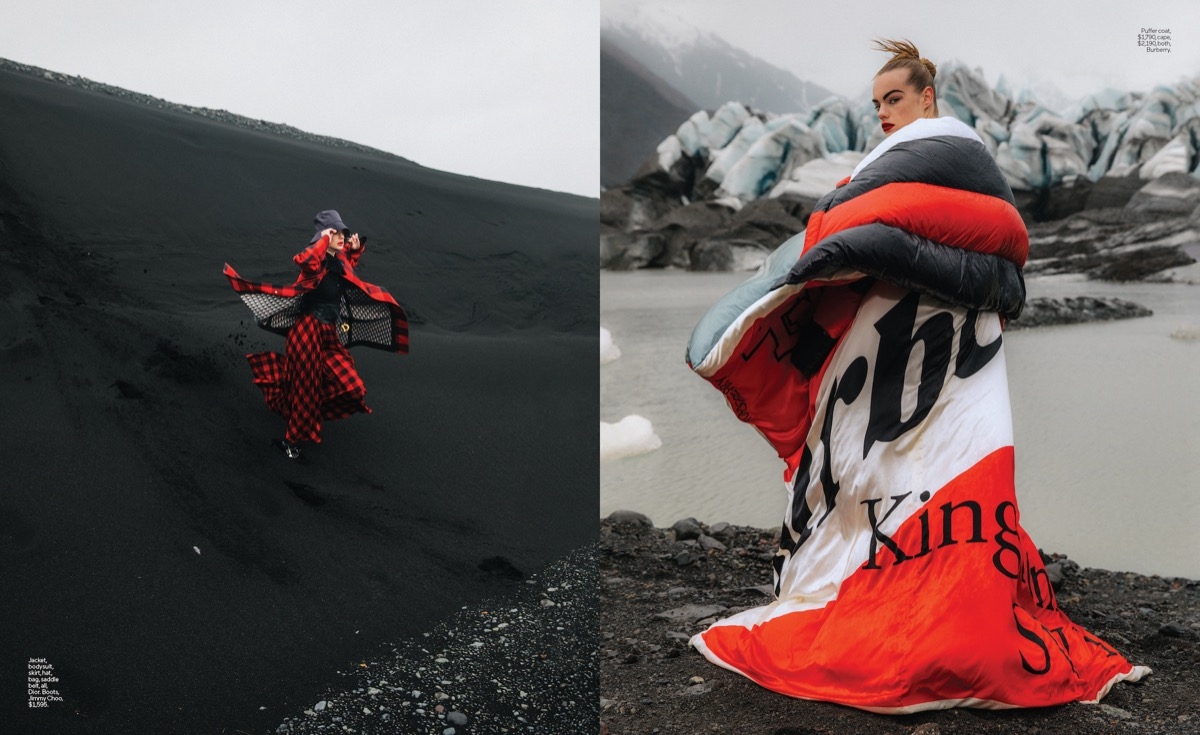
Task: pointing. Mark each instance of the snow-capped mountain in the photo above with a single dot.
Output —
(637, 110)
(703, 66)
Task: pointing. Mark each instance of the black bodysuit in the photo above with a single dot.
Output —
(324, 301)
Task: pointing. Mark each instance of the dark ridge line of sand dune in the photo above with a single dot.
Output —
(205, 112)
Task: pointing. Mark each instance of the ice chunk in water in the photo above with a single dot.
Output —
(630, 436)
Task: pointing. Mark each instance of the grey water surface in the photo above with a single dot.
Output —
(1106, 423)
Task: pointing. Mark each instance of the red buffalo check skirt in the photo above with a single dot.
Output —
(314, 382)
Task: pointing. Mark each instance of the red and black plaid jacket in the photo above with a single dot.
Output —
(370, 316)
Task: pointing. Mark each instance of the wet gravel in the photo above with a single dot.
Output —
(659, 586)
(525, 664)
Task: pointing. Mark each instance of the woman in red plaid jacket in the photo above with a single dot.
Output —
(327, 310)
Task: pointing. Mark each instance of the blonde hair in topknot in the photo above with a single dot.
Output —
(906, 56)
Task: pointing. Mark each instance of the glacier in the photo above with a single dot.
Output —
(747, 154)
(730, 184)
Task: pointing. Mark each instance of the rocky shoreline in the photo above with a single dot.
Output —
(659, 586)
(1046, 311)
(1144, 232)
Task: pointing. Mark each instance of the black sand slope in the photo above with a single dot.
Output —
(178, 575)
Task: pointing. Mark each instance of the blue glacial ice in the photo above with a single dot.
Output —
(747, 154)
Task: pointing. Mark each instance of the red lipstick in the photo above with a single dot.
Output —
(887, 127)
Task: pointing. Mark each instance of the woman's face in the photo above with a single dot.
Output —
(897, 103)
(337, 241)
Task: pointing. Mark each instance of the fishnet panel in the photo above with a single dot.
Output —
(369, 320)
(272, 312)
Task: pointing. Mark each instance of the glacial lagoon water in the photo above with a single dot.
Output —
(1106, 423)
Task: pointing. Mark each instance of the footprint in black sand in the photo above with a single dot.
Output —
(128, 390)
(170, 361)
(15, 534)
(500, 567)
(307, 493)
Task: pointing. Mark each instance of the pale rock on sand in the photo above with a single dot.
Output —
(1186, 332)
(630, 436)
(608, 349)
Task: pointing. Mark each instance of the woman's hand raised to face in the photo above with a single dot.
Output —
(336, 239)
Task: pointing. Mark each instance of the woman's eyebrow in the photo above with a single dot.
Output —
(886, 94)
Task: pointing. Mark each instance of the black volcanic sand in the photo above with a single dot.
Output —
(177, 574)
(657, 589)
(494, 668)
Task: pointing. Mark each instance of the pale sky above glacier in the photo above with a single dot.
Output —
(506, 90)
(1080, 46)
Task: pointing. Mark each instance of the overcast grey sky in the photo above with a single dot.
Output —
(506, 90)
(1078, 45)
